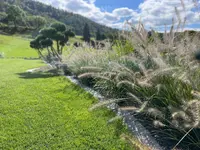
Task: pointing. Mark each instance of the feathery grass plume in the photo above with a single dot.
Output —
(196, 94)
(106, 102)
(155, 113)
(161, 72)
(171, 34)
(120, 67)
(87, 75)
(194, 111)
(143, 107)
(137, 75)
(187, 118)
(135, 98)
(158, 124)
(159, 87)
(179, 19)
(136, 31)
(126, 83)
(180, 115)
(92, 68)
(101, 77)
(124, 75)
(143, 69)
(109, 74)
(144, 83)
(160, 62)
(183, 5)
(129, 108)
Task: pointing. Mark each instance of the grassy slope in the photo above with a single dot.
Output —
(14, 46)
(39, 111)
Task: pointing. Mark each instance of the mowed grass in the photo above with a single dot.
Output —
(15, 46)
(42, 111)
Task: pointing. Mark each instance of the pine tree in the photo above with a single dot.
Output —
(98, 35)
(86, 33)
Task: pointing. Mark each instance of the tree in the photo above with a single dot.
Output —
(98, 35)
(36, 21)
(70, 33)
(57, 34)
(103, 37)
(15, 13)
(86, 33)
(2, 16)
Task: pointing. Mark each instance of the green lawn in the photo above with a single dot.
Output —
(15, 46)
(42, 111)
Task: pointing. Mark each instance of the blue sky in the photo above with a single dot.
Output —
(110, 5)
(153, 13)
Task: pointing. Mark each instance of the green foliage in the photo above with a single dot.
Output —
(36, 21)
(48, 32)
(86, 33)
(60, 27)
(15, 14)
(3, 25)
(70, 33)
(57, 34)
(3, 15)
(74, 21)
(123, 47)
(98, 35)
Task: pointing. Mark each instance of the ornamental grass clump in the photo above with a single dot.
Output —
(158, 79)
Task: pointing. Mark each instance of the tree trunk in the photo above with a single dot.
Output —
(49, 52)
(15, 24)
(58, 48)
(61, 50)
(40, 54)
(56, 53)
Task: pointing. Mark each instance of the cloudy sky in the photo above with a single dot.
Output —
(113, 13)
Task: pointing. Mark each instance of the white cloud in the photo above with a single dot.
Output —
(153, 13)
(123, 12)
(156, 13)
(86, 8)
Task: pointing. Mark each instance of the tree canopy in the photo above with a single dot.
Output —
(73, 21)
(57, 33)
(36, 21)
(15, 14)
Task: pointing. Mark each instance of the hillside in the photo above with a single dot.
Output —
(74, 21)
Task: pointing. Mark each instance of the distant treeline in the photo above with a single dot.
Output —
(73, 21)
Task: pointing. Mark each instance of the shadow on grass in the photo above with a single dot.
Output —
(29, 75)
